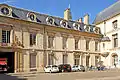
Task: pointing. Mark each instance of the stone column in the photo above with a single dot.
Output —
(80, 60)
(92, 60)
(47, 54)
(18, 62)
(84, 59)
(21, 61)
(0, 35)
(27, 61)
(15, 62)
(40, 62)
(37, 62)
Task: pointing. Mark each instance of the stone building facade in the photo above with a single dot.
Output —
(35, 40)
(109, 22)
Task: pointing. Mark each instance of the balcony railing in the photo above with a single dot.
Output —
(5, 44)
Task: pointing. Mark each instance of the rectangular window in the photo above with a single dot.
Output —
(103, 45)
(64, 59)
(50, 59)
(32, 60)
(32, 39)
(64, 42)
(115, 40)
(96, 46)
(76, 44)
(114, 24)
(50, 41)
(76, 59)
(87, 44)
(87, 61)
(5, 36)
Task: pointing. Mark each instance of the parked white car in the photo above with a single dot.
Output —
(51, 68)
(78, 68)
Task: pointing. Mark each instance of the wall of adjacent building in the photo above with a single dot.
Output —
(107, 28)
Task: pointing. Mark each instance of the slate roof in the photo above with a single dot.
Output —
(21, 14)
(105, 39)
(108, 12)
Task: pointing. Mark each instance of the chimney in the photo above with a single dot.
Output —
(86, 19)
(67, 14)
(80, 20)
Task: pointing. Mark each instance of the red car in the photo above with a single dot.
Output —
(3, 65)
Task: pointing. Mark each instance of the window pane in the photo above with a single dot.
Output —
(64, 42)
(32, 61)
(50, 41)
(76, 44)
(96, 46)
(64, 59)
(8, 36)
(87, 45)
(5, 36)
(31, 39)
(114, 24)
(115, 40)
(34, 38)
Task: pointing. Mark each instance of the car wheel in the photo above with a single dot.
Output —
(83, 70)
(50, 71)
(62, 70)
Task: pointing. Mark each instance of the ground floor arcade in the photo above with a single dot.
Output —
(34, 60)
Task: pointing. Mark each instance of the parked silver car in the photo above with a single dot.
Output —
(78, 68)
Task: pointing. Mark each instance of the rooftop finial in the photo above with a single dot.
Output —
(69, 6)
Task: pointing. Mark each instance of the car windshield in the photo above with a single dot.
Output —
(81, 66)
(54, 66)
(75, 66)
(48, 66)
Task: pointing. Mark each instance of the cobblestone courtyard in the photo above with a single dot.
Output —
(93, 75)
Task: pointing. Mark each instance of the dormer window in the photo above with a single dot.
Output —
(87, 28)
(5, 10)
(114, 23)
(76, 26)
(96, 30)
(31, 16)
(50, 20)
(63, 23)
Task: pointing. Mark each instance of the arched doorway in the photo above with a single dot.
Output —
(114, 59)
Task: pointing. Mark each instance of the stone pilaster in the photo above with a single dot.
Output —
(15, 62)
(84, 60)
(26, 62)
(0, 35)
(92, 60)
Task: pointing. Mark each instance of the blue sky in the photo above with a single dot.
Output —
(56, 7)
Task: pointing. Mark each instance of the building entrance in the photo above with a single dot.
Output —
(8, 58)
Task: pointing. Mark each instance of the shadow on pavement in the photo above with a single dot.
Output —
(9, 77)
